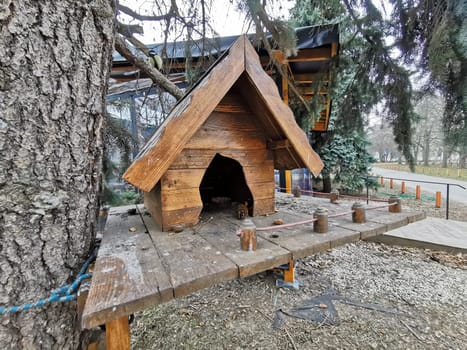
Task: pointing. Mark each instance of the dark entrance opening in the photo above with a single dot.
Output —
(224, 184)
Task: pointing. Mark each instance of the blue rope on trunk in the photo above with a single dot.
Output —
(63, 294)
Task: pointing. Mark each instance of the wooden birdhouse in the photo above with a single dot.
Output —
(220, 144)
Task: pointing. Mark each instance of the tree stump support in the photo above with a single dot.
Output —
(297, 191)
(334, 196)
(321, 223)
(358, 215)
(395, 208)
(247, 236)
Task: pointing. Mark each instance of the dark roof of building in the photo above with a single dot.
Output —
(307, 38)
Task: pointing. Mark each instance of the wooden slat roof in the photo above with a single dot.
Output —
(239, 63)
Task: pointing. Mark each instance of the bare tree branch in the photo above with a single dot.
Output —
(173, 11)
(129, 29)
(156, 76)
(126, 32)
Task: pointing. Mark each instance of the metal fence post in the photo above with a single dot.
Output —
(447, 201)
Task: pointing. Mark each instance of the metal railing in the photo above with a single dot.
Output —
(418, 181)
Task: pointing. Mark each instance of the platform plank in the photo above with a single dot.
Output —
(128, 274)
(300, 240)
(221, 233)
(391, 220)
(366, 230)
(191, 262)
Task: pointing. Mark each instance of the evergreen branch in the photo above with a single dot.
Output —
(260, 16)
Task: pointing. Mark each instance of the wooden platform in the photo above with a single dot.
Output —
(139, 266)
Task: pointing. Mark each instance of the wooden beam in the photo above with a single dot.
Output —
(311, 77)
(278, 144)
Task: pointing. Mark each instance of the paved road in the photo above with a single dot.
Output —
(431, 233)
(455, 193)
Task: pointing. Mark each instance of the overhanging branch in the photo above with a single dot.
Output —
(156, 76)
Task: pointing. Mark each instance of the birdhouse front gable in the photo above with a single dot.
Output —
(221, 144)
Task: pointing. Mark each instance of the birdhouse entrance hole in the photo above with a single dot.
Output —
(224, 184)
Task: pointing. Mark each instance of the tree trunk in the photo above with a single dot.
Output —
(327, 184)
(55, 58)
(426, 153)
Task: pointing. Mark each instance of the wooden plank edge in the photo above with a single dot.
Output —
(95, 319)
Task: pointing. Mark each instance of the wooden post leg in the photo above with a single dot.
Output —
(117, 334)
(288, 181)
(289, 275)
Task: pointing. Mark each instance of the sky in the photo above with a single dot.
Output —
(226, 20)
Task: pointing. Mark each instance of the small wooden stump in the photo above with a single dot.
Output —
(396, 208)
(248, 236)
(334, 196)
(297, 191)
(321, 223)
(358, 215)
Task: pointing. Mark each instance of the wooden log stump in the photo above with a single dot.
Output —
(297, 191)
(247, 236)
(321, 223)
(334, 196)
(396, 208)
(358, 215)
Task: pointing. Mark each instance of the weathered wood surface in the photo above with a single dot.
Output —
(221, 232)
(300, 240)
(135, 270)
(191, 262)
(228, 131)
(128, 274)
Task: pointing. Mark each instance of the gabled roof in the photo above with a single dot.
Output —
(239, 64)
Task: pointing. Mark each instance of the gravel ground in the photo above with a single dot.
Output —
(359, 296)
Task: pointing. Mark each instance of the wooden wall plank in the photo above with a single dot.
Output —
(264, 206)
(228, 130)
(262, 190)
(180, 199)
(201, 158)
(183, 217)
(153, 203)
(176, 179)
(259, 173)
(233, 103)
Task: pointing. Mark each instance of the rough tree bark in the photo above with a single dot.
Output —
(55, 58)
